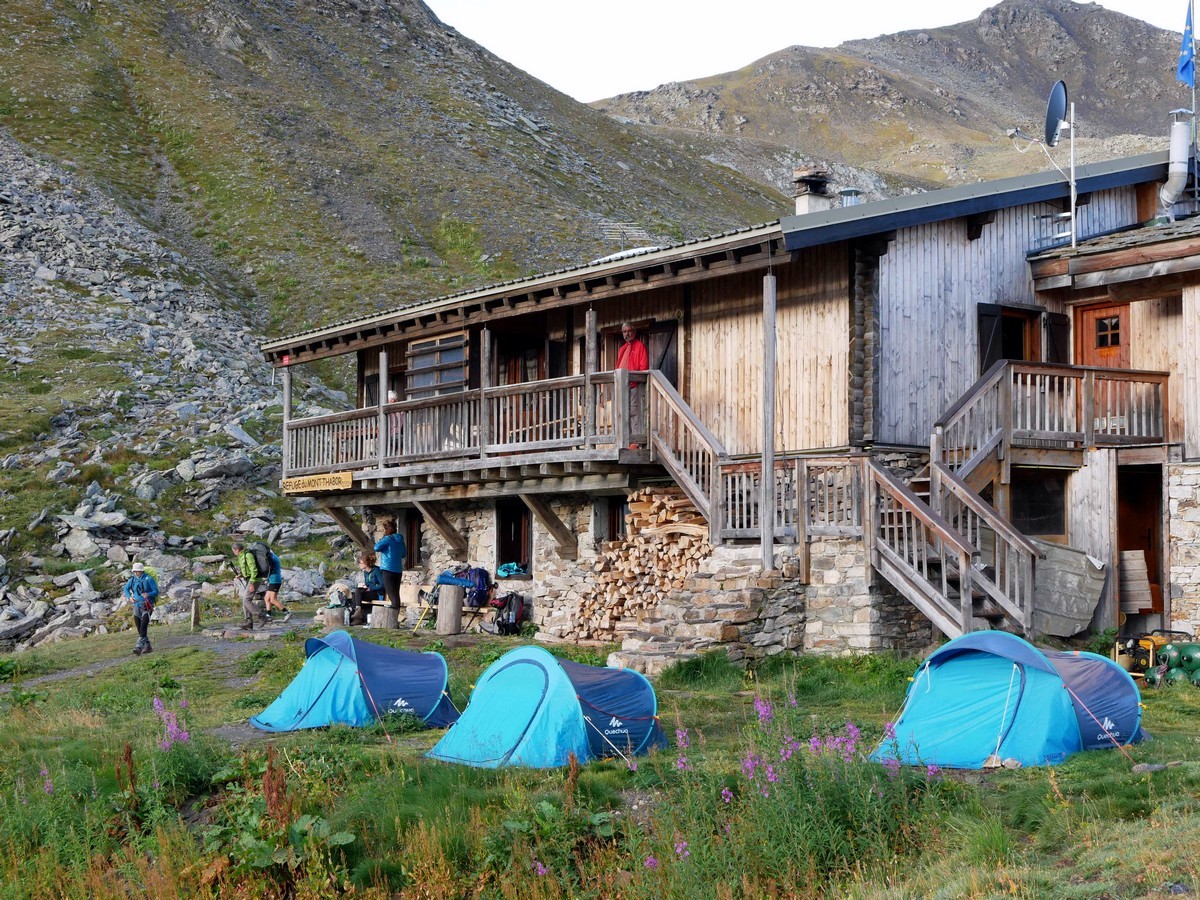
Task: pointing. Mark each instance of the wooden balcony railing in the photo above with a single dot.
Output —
(1020, 404)
(576, 413)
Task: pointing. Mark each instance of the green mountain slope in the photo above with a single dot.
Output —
(336, 156)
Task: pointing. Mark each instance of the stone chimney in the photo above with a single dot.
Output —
(810, 187)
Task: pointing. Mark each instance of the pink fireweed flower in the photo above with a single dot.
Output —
(750, 764)
(651, 862)
(631, 765)
(772, 775)
(48, 786)
(792, 700)
(682, 764)
(681, 849)
(815, 744)
(681, 738)
(538, 868)
(766, 792)
(183, 699)
(158, 705)
(932, 771)
(763, 709)
(889, 731)
(727, 795)
(892, 766)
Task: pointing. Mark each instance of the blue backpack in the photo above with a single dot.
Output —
(480, 589)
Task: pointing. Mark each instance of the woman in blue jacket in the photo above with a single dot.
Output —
(392, 553)
(369, 588)
(142, 589)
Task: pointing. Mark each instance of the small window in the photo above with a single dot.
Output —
(1039, 502)
(1108, 331)
(609, 520)
(514, 536)
(437, 366)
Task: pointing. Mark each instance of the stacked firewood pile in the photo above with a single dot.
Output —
(665, 539)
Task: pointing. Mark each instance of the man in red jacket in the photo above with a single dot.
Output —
(632, 355)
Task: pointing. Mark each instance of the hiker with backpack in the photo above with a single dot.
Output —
(250, 571)
(142, 590)
(274, 583)
(392, 552)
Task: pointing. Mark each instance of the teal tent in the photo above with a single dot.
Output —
(990, 696)
(532, 709)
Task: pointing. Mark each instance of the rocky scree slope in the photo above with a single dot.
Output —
(134, 407)
(343, 155)
(935, 105)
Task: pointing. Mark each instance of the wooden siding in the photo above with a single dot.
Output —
(1092, 519)
(930, 283)
(812, 326)
(1158, 330)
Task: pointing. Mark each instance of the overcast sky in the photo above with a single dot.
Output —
(592, 50)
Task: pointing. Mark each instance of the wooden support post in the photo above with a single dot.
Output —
(485, 382)
(589, 369)
(449, 612)
(348, 524)
(621, 408)
(1089, 410)
(766, 503)
(871, 516)
(287, 418)
(440, 524)
(383, 389)
(802, 521)
(965, 600)
(568, 543)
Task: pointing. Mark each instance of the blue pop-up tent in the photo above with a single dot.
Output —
(532, 709)
(990, 696)
(345, 681)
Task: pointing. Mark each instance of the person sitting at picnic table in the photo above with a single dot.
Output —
(369, 588)
(142, 590)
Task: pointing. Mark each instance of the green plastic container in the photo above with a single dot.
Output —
(1169, 655)
(1189, 656)
(1151, 676)
(1176, 674)
(1195, 678)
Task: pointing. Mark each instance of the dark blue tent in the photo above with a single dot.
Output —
(532, 709)
(345, 681)
(990, 696)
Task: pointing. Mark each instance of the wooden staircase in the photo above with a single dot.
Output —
(936, 539)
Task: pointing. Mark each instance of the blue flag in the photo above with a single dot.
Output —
(1186, 70)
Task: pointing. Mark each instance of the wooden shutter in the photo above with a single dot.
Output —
(991, 338)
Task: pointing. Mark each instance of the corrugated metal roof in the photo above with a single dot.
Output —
(635, 260)
(965, 200)
(811, 229)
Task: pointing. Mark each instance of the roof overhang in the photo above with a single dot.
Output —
(883, 216)
(738, 251)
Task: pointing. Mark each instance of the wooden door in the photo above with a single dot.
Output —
(1139, 523)
(1102, 336)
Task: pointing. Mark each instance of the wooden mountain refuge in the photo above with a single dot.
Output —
(875, 421)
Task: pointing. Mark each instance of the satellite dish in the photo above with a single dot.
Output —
(1056, 112)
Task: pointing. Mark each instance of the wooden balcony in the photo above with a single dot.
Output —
(571, 426)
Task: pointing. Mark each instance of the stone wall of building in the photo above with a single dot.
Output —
(552, 593)
(1183, 492)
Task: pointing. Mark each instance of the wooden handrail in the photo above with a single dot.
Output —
(981, 507)
(684, 411)
(913, 504)
(986, 380)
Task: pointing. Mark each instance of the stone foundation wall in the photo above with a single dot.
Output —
(1183, 492)
(552, 593)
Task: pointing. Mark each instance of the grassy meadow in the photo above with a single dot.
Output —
(127, 776)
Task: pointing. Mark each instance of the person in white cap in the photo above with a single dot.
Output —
(142, 590)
